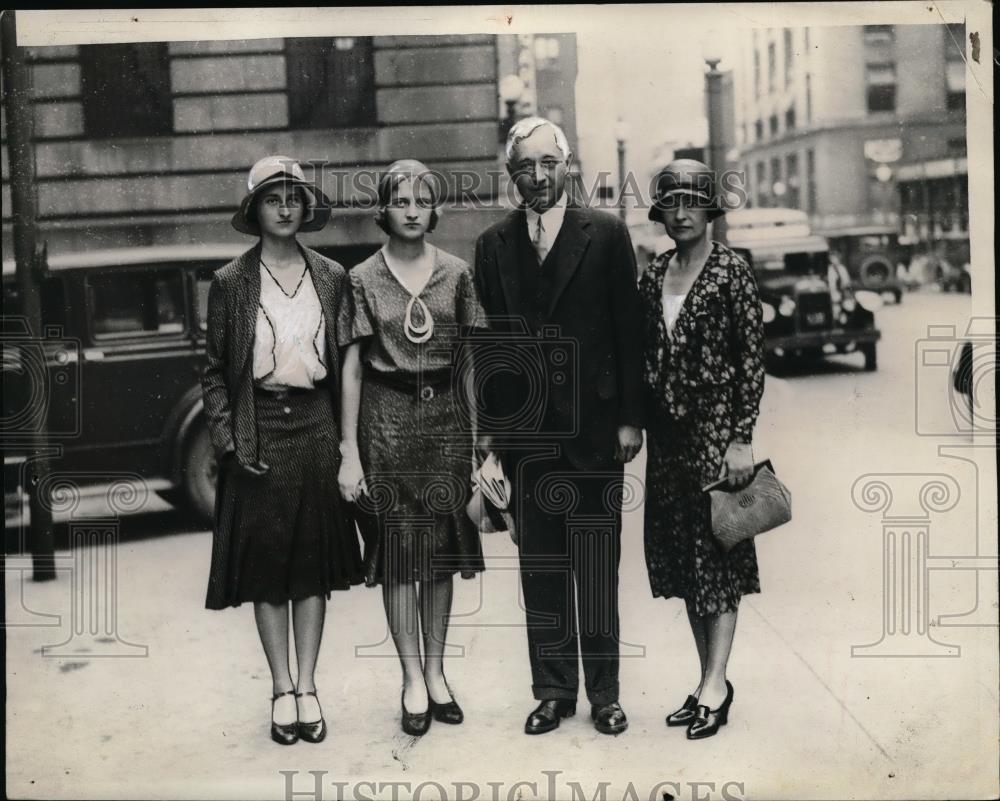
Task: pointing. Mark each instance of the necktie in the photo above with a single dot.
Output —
(538, 241)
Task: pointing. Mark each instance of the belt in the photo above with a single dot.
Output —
(283, 392)
(421, 385)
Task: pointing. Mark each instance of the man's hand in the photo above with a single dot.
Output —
(484, 445)
(629, 443)
(737, 465)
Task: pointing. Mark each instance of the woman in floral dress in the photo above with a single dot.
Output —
(704, 377)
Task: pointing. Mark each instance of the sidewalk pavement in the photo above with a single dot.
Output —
(189, 718)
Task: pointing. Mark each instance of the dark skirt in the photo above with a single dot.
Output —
(417, 458)
(286, 535)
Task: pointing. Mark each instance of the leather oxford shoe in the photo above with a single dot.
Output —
(609, 718)
(547, 715)
(684, 715)
(707, 721)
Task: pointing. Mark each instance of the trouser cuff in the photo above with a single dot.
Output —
(601, 697)
(546, 693)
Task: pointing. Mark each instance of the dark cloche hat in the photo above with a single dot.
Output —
(690, 178)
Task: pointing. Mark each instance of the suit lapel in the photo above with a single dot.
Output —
(572, 241)
(508, 272)
(248, 298)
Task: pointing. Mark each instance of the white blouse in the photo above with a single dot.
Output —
(671, 309)
(290, 344)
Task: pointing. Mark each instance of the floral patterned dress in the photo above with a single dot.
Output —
(703, 387)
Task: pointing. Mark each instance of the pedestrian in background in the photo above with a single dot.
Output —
(704, 378)
(271, 388)
(407, 449)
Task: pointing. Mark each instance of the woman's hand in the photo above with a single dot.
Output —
(629, 443)
(737, 465)
(351, 476)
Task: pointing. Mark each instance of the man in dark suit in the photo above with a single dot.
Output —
(559, 381)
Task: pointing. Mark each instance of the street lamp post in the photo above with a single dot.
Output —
(511, 89)
(621, 135)
(716, 144)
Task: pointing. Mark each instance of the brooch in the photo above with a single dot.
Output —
(418, 333)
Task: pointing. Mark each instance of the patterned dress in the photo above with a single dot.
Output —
(703, 388)
(414, 431)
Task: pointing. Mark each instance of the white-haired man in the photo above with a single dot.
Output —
(561, 403)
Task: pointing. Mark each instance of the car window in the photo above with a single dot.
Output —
(136, 303)
(202, 284)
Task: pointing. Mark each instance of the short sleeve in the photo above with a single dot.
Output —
(470, 312)
(355, 321)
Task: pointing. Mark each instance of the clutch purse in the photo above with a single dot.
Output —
(738, 515)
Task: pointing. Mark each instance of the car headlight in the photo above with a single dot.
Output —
(769, 312)
(787, 306)
(869, 301)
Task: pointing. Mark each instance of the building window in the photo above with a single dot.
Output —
(879, 35)
(810, 181)
(880, 67)
(954, 66)
(809, 98)
(756, 71)
(790, 119)
(331, 82)
(789, 55)
(758, 130)
(777, 187)
(763, 191)
(957, 147)
(881, 87)
(792, 179)
(772, 67)
(125, 90)
(772, 125)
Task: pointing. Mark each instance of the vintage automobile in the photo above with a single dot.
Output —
(810, 310)
(117, 370)
(870, 255)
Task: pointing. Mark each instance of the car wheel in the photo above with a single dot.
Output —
(200, 474)
(871, 357)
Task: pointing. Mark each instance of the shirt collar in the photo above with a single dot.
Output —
(552, 219)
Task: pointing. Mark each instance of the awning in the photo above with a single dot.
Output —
(938, 168)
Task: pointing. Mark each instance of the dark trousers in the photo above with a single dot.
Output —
(569, 529)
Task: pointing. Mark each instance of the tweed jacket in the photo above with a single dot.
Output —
(593, 307)
(715, 356)
(227, 382)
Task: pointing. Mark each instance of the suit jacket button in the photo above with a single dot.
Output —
(287, 410)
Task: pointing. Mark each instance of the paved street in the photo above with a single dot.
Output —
(183, 713)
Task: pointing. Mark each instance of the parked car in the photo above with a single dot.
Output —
(117, 372)
(810, 310)
(870, 255)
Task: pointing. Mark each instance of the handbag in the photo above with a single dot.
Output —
(738, 515)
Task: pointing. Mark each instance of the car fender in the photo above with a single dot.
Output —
(181, 421)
